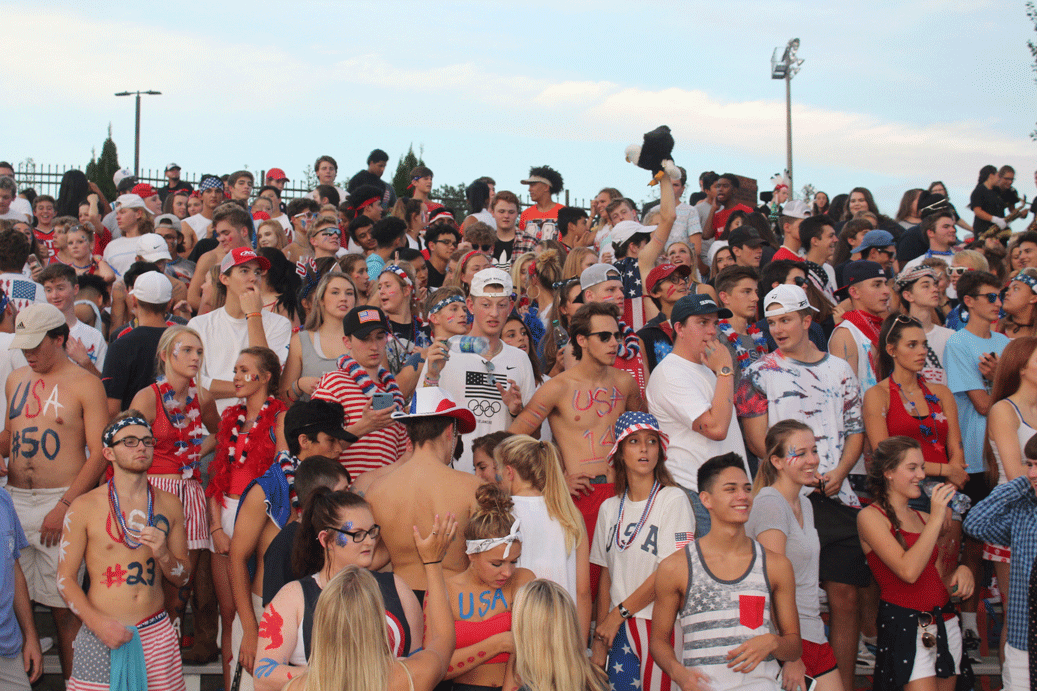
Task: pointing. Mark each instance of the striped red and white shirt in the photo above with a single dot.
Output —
(373, 450)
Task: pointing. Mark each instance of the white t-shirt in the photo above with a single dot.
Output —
(120, 254)
(543, 552)
(466, 377)
(224, 337)
(679, 392)
(22, 205)
(93, 341)
(14, 214)
(669, 527)
(486, 217)
(21, 290)
(936, 340)
(200, 225)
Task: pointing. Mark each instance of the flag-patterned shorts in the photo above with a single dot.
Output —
(192, 496)
(92, 661)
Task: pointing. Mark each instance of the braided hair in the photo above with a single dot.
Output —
(889, 453)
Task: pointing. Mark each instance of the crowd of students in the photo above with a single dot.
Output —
(377, 445)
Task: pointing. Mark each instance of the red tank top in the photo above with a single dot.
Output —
(924, 595)
(931, 431)
(165, 461)
(472, 632)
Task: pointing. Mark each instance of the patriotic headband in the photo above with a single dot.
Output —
(365, 204)
(393, 268)
(444, 302)
(1027, 279)
(211, 183)
(477, 546)
(110, 433)
(413, 181)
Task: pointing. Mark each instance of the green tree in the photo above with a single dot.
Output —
(453, 196)
(401, 178)
(101, 170)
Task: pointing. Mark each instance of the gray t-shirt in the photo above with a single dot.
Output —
(772, 512)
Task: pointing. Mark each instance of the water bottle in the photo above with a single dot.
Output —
(560, 334)
(959, 504)
(476, 345)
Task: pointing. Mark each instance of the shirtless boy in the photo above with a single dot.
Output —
(131, 536)
(426, 486)
(55, 411)
(582, 405)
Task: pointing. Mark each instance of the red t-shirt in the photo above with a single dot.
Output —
(534, 214)
(785, 253)
(720, 218)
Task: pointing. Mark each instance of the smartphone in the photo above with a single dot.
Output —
(381, 400)
(808, 681)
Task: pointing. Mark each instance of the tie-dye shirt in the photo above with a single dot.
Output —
(824, 394)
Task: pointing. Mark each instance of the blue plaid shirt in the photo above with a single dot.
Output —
(1009, 517)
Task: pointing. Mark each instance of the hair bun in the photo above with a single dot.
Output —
(492, 499)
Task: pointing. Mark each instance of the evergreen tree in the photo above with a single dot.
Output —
(401, 178)
(103, 169)
(454, 198)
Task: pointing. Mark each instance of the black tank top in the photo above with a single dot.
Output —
(396, 620)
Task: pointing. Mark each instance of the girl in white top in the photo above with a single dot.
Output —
(649, 519)
(782, 520)
(1011, 422)
(531, 471)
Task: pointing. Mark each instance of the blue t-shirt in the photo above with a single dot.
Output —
(14, 542)
(961, 360)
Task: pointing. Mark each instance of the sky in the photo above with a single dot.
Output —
(892, 95)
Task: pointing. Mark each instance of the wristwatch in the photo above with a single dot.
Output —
(624, 612)
(725, 371)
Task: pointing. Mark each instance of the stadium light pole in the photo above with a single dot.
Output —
(136, 138)
(786, 67)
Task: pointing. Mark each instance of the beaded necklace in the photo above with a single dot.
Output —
(113, 503)
(623, 544)
(188, 423)
(361, 378)
(235, 431)
(742, 353)
(928, 431)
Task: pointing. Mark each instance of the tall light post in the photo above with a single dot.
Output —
(786, 67)
(136, 139)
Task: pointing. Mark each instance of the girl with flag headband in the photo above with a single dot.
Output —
(649, 518)
(180, 414)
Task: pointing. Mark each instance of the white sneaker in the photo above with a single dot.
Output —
(46, 643)
(864, 656)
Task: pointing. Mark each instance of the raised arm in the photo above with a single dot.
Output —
(430, 665)
(657, 243)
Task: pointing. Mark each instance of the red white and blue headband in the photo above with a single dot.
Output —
(1029, 280)
(444, 302)
(394, 269)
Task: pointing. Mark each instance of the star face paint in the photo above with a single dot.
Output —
(342, 539)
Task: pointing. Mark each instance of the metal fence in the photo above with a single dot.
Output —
(46, 179)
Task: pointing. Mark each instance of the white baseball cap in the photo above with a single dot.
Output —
(152, 248)
(489, 277)
(153, 288)
(792, 298)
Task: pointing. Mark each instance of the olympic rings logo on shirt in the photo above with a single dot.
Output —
(484, 408)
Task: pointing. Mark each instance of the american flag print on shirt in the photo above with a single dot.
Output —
(480, 385)
(682, 539)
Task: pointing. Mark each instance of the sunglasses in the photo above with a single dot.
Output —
(925, 620)
(448, 243)
(330, 233)
(606, 336)
(483, 248)
(359, 535)
(991, 297)
(957, 270)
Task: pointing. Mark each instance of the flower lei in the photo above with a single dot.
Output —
(742, 353)
(188, 423)
(289, 464)
(362, 379)
(623, 544)
(928, 431)
(629, 348)
(235, 432)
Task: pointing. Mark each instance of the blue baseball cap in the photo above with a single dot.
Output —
(693, 305)
(875, 238)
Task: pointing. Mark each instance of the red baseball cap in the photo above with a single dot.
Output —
(242, 255)
(143, 190)
(276, 174)
(664, 271)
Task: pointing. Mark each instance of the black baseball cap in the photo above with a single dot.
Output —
(362, 320)
(745, 235)
(860, 271)
(693, 305)
(316, 416)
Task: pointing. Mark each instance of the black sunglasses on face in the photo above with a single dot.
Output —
(606, 336)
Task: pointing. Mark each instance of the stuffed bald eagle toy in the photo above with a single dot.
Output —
(655, 154)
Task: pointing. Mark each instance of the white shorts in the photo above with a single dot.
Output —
(1015, 673)
(230, 512)
(925, 658)
(38, 562)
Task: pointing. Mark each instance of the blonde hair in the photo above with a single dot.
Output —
(282, 239)
(540, 464)
(166, 344)
(520, 272)
(350, 642)
(571, 268)
(549, 655)
(972, 259)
